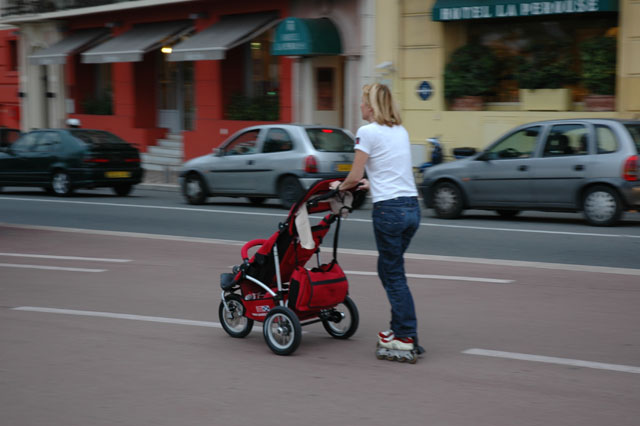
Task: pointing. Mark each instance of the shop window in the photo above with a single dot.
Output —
(96, 86)
(513, 42)
(251, 82)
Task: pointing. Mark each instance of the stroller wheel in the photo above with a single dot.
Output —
(233, 320)
(345, 320)
(282, 330)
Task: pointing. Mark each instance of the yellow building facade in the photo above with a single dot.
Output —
(413, 48)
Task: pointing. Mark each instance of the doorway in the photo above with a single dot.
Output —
(175, 95)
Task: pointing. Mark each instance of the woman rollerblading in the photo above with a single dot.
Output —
(383, 149)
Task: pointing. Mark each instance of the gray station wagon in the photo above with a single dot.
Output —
(588, 165)
(269, 161)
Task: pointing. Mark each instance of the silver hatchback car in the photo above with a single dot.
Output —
(269, 161)
(588, 165)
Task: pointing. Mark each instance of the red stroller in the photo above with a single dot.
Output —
(275, 288)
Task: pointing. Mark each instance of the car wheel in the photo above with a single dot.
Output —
(256, 201)
(508, 214)
(602, 206)
(447, 200)
(61, 184)
(289, 191)
(193, 189)
(123, 189)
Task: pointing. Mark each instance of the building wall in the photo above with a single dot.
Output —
(9, 100)
(418, 47)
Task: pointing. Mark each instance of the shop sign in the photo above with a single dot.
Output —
(477, 10)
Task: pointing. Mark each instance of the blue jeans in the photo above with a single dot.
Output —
(395, 222)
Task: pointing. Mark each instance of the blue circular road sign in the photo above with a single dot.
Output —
(424, 90)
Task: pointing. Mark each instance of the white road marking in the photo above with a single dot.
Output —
(251, 213)
(49, 268)
(210, 324)
(357, 252)
(119, 316)
(46, 256)
(554, 360)
(142, 206)
(438, 277)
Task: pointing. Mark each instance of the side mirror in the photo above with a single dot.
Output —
(218, 152)
(484, 157)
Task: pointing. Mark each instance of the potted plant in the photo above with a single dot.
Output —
(542, 74)
(471, 73)
(598, 57)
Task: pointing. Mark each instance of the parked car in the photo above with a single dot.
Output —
(269, 161)
(62, 160)
(588, 165)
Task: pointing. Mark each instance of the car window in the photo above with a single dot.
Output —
(48, 142)
(606, 139)
(96, 138)
(566, 139)
(330, 140)
(277, 140)
(243, 144)
(520, 144)
(25, 143)
(634, 131)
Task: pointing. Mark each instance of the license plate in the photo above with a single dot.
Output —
(345, 167)
(116, 175)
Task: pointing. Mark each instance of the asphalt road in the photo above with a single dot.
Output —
(124, 330)
(534, 236)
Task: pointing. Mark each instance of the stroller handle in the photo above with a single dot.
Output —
(245, 248)
(314, 202)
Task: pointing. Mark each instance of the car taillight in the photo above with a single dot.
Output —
(132, 160)
(310, 164)
(630, 170)
(95, 160)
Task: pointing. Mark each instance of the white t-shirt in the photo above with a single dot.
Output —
(389, 167)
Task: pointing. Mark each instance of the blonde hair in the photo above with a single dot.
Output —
(378, 97)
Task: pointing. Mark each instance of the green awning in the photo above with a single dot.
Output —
(458, 10)
(306, 37)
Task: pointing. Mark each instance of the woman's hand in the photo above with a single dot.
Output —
(363, 185)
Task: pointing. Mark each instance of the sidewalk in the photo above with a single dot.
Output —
(160, 180)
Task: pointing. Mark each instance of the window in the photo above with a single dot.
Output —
(606, 140)
(511, 39)
(634, 131)
(48, 142)
(325, 82)
(251, 81)
(277, 140)
(25, 143)
(517, 145)
(566, 139)
(330, 140)
(12, 64)
(243, 144)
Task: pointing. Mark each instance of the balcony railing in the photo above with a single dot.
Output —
(23, 7)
